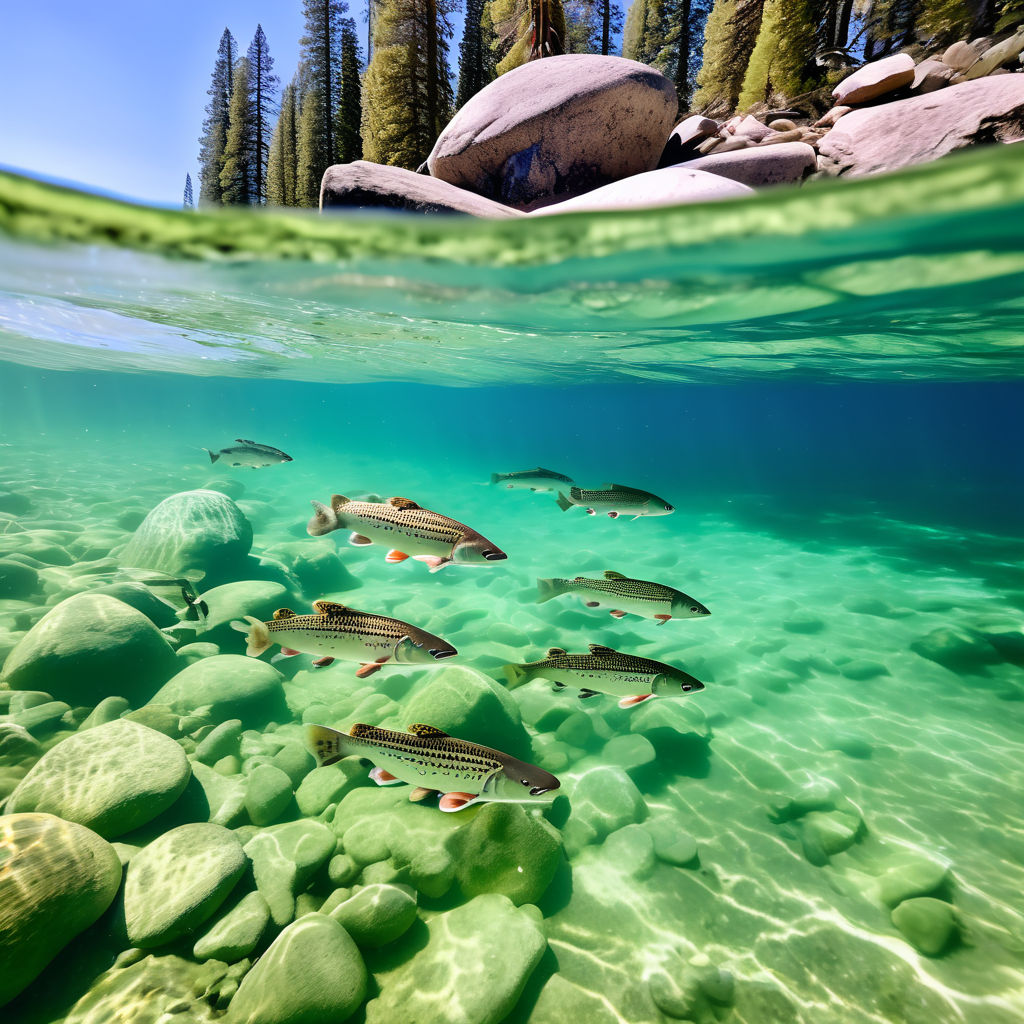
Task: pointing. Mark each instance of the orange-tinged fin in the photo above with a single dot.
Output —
(284, 613)
(662, 619)
(457, 801)
(357, 540)
(394, 556)
(329, 608)
(323, 662)
(257, 635)
(439, 564)
(369, 668)
(402, 503)
(613, 515)
(289, 652)
(419, 729)
(617, 613)
(631, 702)
(383, 778)
(433, 561)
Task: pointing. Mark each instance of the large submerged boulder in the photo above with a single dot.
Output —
(558, 126)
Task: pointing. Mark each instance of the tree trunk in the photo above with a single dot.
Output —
(606, 24)
(433, 73)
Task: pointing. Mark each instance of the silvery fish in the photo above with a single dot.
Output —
(604, 670)
(616, 500)
(464, 773)
(250, 454)
(531, 479)
(622, 594)
(339, 632)
(408, 530)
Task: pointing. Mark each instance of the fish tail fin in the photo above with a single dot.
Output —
(326, 745)
(495, 477)
(257, 635)
(324, 520)
(214, 456)
(517, 675)
(563, 502)
(547, 589)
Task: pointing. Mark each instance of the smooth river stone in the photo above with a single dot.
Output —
(377, 914)
(928, 924)
(56, 879)
(235, 935)
(875, 79)
(173, 885)
(111, 779)
(89, 647)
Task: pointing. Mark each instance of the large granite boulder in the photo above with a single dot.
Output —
(557, 126)
(761, 165)
(686, 137)
(366, 185)
(876, 79)
(88, 647)
(56, 879)
(924, 128)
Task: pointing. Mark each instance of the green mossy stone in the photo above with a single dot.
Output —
(56, 879)
(18, 746)
(365, 843)
(920, 877)
(295, 761)
(804, 623)
(577, 730)
(377, 914)
(22, 700)
(173, 885)
(225, 795)
(189, 654)
(43, 718)
(861, 670)
(223, 740)
(631, 850)
(628, 752)
(112, 779)
(928, 924)
(963, 651)
(235, 934)
(87, 646)
(605, 799)
(158, 717)
(313, 973)
(202, 530)
(669, 716)
(231, 686)
(325, 786)
(342, 870)
(505, 849)
(824, 834)
(562, 1002)
(110, 709)
(671, 844)
(268, 792)
(18, 580)
(143, 600)
(233, 601)
(432, 872)
(816, 796)
(461, 958)
(316, 566)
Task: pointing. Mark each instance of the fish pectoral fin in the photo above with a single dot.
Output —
(631, 702)
(289, 652)
(394, 556)
(323, 662)
(591, 512)
(368, 668)
(420, 793)
(585, 694)
(592, 604)
(357, 540)
(662, 619)
(617, 613)
(634, 519)
(613, 515)
(382, 777)
(434, 563)
(404, 649)
(452, 802)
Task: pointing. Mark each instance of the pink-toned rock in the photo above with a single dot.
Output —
(924, 128)
(366, 185)
(930, 75)
(667, 186)
(748, 127)
(556, 126)
(875, 79)
(960, 56)
(760, 165)
(830, 118)
(686, 137)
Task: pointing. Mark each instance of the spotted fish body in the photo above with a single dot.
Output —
(616, 500)
(432, 760)
(604, 670)
(532, 479)
(622, 594)
(407, 529)
(250, 454)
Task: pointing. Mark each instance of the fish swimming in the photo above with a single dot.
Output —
(335, 631)
(604, 670)
(622, 594)
(464, 773)
(616, 500)
(250, 454)
(532, 479)
(408, 530)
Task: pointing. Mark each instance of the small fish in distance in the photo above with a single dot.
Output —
(621, 594)
(615, 500)
(335, 631)
(433, 761)
(408, 530)
(250, 454)
(532, 480)
(604, 670)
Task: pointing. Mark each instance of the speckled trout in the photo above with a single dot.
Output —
(250, 454)
(464, 773)
(622, 594)
(532, 479)
(604, 670)
(335, 631)
(408, 530)
(615, 500)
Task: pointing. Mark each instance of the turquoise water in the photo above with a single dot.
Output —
(826, 385)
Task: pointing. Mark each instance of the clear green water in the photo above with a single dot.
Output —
(825, 383)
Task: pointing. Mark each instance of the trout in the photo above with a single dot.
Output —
(531, 479)
(250, 454)
(621, 594)
(616, 500)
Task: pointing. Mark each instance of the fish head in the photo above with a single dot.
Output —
(473, 549)
(676, 684)
(520, 782)
(658, 507)
(684, 607)
(425, 649)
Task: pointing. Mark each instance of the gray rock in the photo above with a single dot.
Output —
(875, 79)
(686, 137)
(961, 56)
(930, 75)
(111, 779)
(924, 128)
(365, 185)
(173, 885)
(557, 126)
(997, 55)
(771, 165)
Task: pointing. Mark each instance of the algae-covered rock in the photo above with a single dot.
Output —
(325, 786)
(223, 740)
(143, 600)
(928, 924)
(56, 879)
(506, 850)
(231, 601)
(631, 850)
(919, 877)
(90, 646)
(605, 799)
(230, 686)
(235, 935)
(672, 844)
(111, 779)
(473, 969)
(17, 579)
(312, 974)
(824, 834)
(268, 792)
(959, 650)
(377, 914)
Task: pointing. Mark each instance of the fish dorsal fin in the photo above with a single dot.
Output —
(337, 500)
(402, 503)
(610, 574)
(600, 651)
(362, 729)
(284, 613)
(621, 487)
(329, 608)
(243, 440)
(426, 731)
(581, 579)
(554, 652)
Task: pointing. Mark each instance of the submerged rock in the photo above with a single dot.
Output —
(928, 924)
(57, 878)
(235, 934)
(604, 800)
(377, 914)
(957, 649)
(920, 877)
(112, 778)
(557, 126)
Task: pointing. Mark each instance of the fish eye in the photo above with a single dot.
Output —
(668, 508)
(493, 555)
(694, 610)
(525, 782)
(687, 687)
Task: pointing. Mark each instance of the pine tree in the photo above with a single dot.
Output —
(215, 126)
(526, 30)
(350, 106)
(610, 14)
(281, 164)
(476, 57)
(263, 87)
(729, 37)
(308, 167)
(238, 177)
(188, 203)
(782, 59)
(582, 27)
(322, 73)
